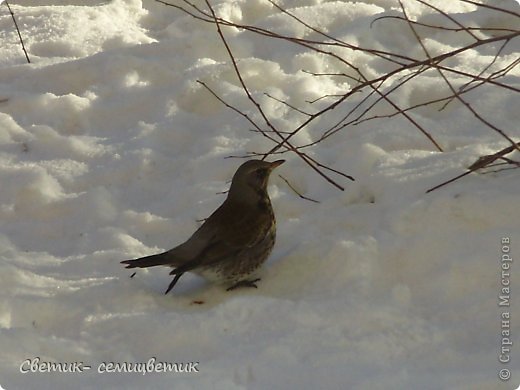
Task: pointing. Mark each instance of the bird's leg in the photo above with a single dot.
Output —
(175, 279)
(244, 283)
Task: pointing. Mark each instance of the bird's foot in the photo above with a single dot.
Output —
(244, 283)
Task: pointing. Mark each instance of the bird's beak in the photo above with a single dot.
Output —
(276, 163)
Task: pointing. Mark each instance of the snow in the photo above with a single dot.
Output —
(110, 149)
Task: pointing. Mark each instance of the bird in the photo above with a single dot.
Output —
(234, 241)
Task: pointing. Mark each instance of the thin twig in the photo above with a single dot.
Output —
(444, 28)
(287, 104)
(491, 7)
(17, 30)
(448, 181)
(449, 17)
(297, 192)
(500, 170)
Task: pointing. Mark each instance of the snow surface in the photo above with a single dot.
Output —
(111, 150)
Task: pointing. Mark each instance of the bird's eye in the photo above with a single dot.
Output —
(260, 173)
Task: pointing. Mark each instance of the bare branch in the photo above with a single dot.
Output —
(483, 162)
(259, 108)
(375, 90)
(450, 86)
(491, 7)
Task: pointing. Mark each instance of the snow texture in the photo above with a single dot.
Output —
(110, 150)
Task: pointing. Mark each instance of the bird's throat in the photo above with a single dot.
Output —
(263, 202)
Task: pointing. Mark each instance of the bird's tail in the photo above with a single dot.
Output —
(149, 261)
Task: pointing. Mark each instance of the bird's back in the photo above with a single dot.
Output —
(231, 228)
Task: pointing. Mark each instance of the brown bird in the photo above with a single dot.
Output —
(234, 241)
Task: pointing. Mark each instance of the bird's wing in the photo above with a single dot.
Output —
(225, 233)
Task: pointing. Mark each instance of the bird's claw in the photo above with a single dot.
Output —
(244, 283)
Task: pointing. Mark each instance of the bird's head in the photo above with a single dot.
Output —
(250, 180)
